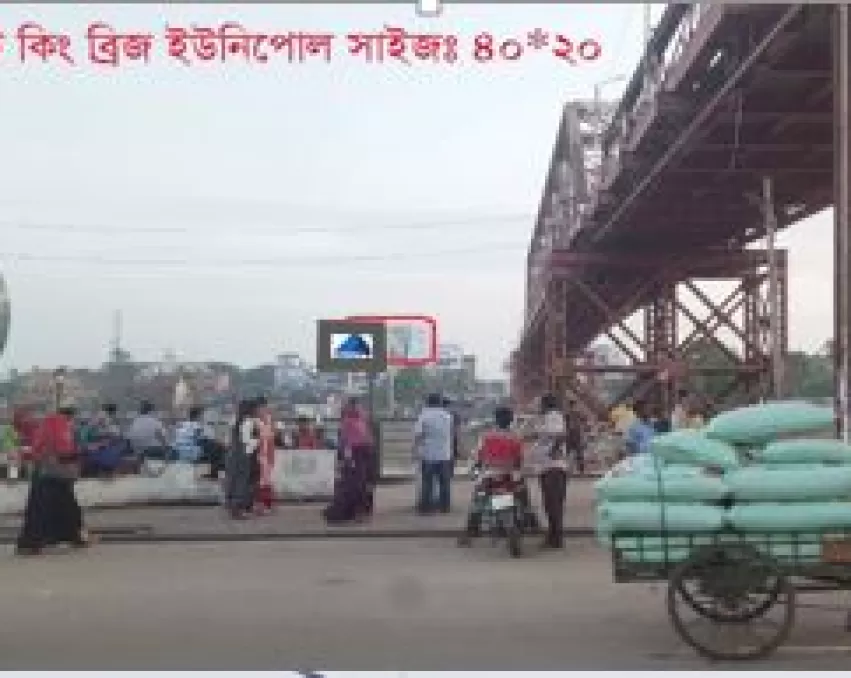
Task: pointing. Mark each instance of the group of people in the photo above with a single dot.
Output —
(249, 466)
(53, 516)
(544, 448)
(637, 423)
(63, 447)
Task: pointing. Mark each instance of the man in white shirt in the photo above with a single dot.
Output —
(433, 450)
(549, 436)
(679, 415)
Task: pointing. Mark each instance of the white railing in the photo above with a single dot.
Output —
(683, 35)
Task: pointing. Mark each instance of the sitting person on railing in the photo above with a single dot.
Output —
(101, 443)
(195, 443)
(187, 437)
(147, 435)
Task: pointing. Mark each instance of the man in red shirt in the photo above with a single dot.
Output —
(52, 514)
(305, 435)
(499, 454)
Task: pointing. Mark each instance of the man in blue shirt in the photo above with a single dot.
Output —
(640, 432)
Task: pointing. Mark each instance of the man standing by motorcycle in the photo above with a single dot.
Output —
(549, 437)
(499, 458)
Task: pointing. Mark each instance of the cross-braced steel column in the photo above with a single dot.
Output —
(661, 351)
(842, 213)
(661, 337)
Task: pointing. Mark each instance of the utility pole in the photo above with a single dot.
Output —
(116, 351)
(777, 356)
(842, 214)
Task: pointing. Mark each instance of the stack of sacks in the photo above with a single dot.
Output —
(677, 488)
(794, 487)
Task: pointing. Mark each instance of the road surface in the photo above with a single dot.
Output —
(358, 605)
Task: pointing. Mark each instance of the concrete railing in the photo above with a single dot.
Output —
(298, 475)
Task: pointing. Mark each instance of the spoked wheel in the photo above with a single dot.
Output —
(731, 603)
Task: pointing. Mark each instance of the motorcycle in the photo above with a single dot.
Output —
(497, 509)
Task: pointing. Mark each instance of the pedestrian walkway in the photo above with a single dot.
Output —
(394, 517)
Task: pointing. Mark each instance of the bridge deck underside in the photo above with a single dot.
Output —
(691, 180)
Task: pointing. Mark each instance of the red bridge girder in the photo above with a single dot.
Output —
(725, 96)
(669, 326)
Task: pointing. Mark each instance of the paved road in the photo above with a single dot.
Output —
(359, 605)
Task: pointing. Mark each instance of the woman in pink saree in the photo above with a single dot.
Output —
(353, 493)
(264, 495)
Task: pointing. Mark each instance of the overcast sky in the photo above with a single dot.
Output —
(225, 207)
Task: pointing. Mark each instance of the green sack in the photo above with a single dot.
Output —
(676, 487)
(806, 553)
(804, 451)
(648, 517)
(657, 543)
(693, 448)
(790, 517)
(805, 483)
(760, 424)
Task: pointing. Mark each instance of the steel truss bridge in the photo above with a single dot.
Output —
(735, 124)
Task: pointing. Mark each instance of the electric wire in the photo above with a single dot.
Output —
(277, 231)
(272, 262)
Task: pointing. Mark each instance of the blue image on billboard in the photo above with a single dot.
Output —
(352, 346)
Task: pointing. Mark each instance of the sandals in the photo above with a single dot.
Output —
(85, 540)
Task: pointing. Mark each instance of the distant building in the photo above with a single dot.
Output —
(291, 372)
(350, 384)
(450, 357)
(492, 389)
(38, 387)
(468, 367)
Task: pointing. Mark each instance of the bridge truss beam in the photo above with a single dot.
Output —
(665, 315)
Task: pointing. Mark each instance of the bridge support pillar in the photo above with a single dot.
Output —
(670, 328)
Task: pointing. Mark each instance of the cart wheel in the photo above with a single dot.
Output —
(755, 603)
(731, 593)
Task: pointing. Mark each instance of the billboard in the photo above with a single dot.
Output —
(411, 339)
(351, 346)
